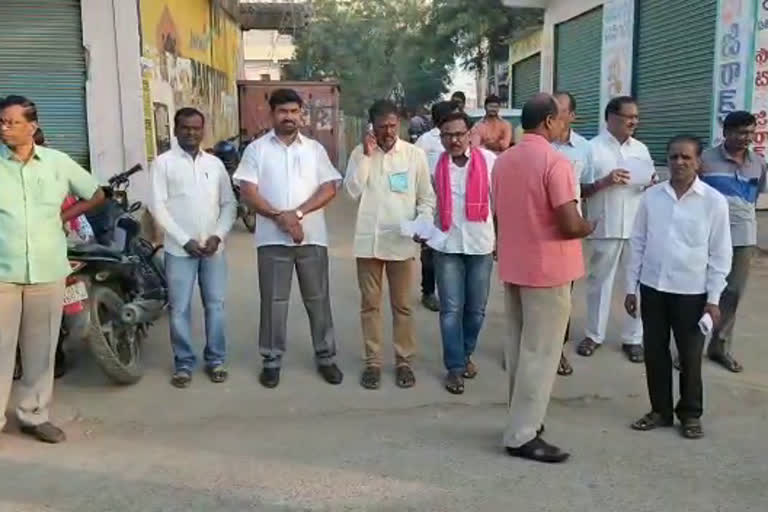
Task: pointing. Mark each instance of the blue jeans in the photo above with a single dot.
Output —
(211, 273)
(463, 283)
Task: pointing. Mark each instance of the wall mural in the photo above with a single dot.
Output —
(191, 50)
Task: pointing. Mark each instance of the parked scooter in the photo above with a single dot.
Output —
(228, 153)
(122, 278)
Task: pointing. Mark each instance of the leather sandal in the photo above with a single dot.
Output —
(587, 347)
(691, 428)
(652, 421)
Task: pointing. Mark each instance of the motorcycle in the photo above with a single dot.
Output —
(229, 155)
(118, 286)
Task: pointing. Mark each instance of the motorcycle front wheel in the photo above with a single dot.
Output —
(115, 345)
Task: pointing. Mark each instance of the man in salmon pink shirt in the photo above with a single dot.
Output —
(539, 254)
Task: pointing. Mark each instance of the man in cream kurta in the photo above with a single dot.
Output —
(392, 180)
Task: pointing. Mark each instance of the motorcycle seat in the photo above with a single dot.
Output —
(93, 251)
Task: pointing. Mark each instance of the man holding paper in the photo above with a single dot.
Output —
(463, 259)
(619, 168)
(680, 256)
(392, 180)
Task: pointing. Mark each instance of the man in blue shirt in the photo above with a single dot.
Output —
(739, 174)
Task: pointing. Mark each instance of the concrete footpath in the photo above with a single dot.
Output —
(308, 446)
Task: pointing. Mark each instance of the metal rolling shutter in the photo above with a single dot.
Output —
(42, 58)
(525, 79)
(673, 70)
(578, 46)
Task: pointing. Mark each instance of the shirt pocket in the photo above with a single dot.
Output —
(180, 183)
(398, 182)
(51, 191)
(694, 232)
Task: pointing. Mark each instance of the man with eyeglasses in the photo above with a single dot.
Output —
(463, 262)
(613, 198)
(33, 262)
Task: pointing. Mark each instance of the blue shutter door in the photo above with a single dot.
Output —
(673, 70)
(42, 58)
(578, 47)
(526, 76)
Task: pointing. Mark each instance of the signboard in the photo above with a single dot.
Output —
(760, 85)
(617, 51)
(733, 57)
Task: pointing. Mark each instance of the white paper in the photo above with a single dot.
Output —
(705, 324)
(425, 230)
(640, 171)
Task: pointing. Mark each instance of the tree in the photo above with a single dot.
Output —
(477, 29)
(376, 49)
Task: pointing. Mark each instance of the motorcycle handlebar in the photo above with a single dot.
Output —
(125, 175)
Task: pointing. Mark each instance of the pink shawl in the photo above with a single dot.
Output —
(477, 199)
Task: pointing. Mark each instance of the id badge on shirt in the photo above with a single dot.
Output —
(398, 182)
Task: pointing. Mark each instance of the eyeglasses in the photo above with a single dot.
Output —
(9, 123)
(633, 117)
(453, 135)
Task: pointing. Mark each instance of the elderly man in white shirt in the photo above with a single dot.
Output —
(432, 145)
(392, 180)
(576, 149)
(288, 180)
(613, 194)
(680, 257)
(192, 201)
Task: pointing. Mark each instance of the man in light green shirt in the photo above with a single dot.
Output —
(33, 259)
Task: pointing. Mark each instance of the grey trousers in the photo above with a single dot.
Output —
(276, 264)
(30, 317)
(537, 321)
(722, 337)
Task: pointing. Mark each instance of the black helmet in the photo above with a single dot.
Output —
(228, 154)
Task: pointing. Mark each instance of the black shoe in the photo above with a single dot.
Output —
(540, 451)
(45, 432)
(270, 377)
(331, 374)
(430, 302)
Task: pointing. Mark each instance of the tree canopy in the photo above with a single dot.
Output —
(398, 49)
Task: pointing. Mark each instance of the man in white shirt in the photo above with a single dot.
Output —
(391, 179)
(613, 196)
(576, 149)
(433, 147)
(464, 260)
(193, 202)
(680, 257)
(288, 180)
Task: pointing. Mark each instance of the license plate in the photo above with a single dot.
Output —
(76, 292)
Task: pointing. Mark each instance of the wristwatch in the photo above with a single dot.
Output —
(299, 214)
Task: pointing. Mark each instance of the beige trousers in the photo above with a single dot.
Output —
(537, 321)
(30, 316)
(400, 277)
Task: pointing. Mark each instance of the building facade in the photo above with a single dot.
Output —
(687, 62)
(101, 71)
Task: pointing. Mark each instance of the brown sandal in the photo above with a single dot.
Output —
(470, 372)
(404, 377)
(564, 368)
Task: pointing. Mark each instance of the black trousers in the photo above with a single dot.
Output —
(662, 312)
(427, 270)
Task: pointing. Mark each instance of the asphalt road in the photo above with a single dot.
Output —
(308, 446)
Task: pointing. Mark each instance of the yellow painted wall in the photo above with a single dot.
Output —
(191, 53)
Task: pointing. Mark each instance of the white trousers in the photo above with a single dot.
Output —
(604, 262)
